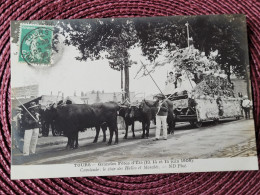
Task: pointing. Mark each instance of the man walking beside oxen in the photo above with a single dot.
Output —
(161, 117)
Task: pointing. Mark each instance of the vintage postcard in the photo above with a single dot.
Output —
(124, 96)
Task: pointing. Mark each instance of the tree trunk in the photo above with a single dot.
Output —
(122, 85)
(228, 77)
(228, 74)
(248, 84)
(127, 93)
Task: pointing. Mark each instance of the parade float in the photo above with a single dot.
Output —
(205, 103)
(202, 91)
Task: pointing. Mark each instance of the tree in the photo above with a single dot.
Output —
(190, 59)
(95, 39)
(119, 57)
(158, 34)
(227, 35)
(224, 33)
(114, 38)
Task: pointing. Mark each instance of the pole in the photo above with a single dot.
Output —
(188, 40)
(152, 78)
(187, 24)
(26, 110)
(122, 83)
(163, 102)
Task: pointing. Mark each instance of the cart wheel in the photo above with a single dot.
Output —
(196, 124)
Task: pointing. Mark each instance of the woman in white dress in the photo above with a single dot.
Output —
(170, 86)
(184, 83)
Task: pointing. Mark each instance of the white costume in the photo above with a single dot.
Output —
(169, 88)
(31, 132)
(184, 83)
(30, 141)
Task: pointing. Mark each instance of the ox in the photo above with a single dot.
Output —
(124, 112)
(72, 118)
(130, 116)
(147, 111)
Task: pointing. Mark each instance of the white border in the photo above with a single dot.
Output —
(71, 170)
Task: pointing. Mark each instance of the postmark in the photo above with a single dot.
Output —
(35, 44)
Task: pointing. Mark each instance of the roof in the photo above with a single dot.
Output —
(91, 98)
(75, 99)
(43, 100)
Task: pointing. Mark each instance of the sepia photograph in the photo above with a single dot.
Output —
(130, 91)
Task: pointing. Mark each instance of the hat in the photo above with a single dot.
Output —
(18, 109)
(245, 97)
(32, 105)
(170, 72)
(160, 95)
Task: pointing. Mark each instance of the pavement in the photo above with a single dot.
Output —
(88, 134)
(208, 141)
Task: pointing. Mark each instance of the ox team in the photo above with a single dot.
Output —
(72, 118)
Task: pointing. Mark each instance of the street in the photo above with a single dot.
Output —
(229, 138)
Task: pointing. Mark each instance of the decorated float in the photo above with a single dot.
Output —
(203, 91)
(205, 103)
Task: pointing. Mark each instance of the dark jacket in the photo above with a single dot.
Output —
(163, 109)
(29, 122)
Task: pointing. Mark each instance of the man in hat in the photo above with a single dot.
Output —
(161, 116)
(246, 104)
(31, 120)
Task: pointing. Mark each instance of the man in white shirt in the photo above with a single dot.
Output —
(246, 104)
(161, 116)
(31, 126)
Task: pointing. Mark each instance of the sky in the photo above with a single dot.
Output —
(69, 75)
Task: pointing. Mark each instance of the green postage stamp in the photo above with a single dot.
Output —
(35, 44)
